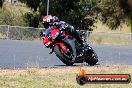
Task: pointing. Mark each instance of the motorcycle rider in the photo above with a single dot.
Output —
(50, 21)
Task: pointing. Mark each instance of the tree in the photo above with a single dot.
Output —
(33, 4)
(110, 13)
(1, 3)
(126, 5)
(83, 13)
(71, 11)
(32, 18)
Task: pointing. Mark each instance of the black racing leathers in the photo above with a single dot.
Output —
(63, 26)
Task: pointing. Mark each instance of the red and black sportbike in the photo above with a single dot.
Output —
(67, 49)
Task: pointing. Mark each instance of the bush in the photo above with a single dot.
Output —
(8, 17)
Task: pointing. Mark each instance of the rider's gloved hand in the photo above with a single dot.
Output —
(62, 28)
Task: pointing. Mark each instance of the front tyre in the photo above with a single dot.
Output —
(61, 56)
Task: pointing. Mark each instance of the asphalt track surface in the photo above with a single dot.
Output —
(18, 53)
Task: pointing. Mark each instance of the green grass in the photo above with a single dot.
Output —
(58, 77)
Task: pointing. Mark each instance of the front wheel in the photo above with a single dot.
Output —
(62, 56)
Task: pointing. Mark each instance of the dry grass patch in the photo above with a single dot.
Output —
(61, 77)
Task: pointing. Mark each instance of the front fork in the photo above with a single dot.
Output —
(62, 46)
(72, 45)
(52, 50)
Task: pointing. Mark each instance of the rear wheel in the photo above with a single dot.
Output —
(93, 58)
(62, 56)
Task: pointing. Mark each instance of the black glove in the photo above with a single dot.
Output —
(62, 28)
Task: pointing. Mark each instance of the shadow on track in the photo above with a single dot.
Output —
(76, 65)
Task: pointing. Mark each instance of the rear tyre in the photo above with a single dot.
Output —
(93, 58)
(61, 56)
